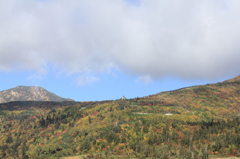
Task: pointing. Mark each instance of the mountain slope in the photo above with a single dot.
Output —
(204, 122)
(29, 93)
(219, 99)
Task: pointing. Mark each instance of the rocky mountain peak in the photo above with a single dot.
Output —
(29, 93)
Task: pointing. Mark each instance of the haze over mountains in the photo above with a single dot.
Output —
(29, 93)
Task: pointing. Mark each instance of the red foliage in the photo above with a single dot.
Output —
(210, 153)
(234, 153)
(157, 130)
(59, 134)
(195, 94)
(193, 128)
(180, 135)
(43, 134)
(94, 113)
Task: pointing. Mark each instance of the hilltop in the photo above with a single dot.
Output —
(29, 93)
(218, 99)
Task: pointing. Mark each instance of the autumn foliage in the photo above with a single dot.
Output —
(201, 121)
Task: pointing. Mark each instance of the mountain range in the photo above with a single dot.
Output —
(29, 93)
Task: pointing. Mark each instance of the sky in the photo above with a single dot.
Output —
(101, 50)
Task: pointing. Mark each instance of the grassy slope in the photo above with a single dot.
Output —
(217, 100)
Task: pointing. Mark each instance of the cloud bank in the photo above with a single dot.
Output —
(188, 39)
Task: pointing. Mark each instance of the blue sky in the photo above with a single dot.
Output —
(108, 87)
(100, 50)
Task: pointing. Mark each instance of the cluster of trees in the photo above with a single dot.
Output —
(24, 105)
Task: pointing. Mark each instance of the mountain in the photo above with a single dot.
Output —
(29, 93)
(197, 122)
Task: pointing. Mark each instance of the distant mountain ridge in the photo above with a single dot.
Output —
(29, 93)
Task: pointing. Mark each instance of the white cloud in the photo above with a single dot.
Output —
(188, 39)
(144, 79)
(86, 80)
(35, 79)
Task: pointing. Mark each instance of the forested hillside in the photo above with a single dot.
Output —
(195, 122)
